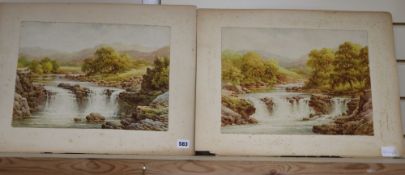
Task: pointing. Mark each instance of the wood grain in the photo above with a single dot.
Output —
(79, 166)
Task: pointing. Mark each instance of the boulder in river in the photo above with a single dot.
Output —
(293, 99)
(95, 118)
(269, 103)
(80, 92)
(321, 104)
(108, 92)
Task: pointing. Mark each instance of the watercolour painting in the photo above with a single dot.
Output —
(295, 82)
(92, 75)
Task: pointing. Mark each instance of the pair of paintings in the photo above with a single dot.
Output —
(274, 80)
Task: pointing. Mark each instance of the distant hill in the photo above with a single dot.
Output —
(282, 60)
(134, 51)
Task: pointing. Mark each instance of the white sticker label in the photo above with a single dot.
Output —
(389, 151)
(183, 144)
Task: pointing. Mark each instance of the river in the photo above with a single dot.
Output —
(61, 106)
(286, 117)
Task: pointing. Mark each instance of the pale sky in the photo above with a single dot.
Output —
(69, 37)
(292, 43)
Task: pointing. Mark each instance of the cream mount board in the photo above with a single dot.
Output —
(175, 26)
(222, 30)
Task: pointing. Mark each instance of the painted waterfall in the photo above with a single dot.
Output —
(295, 81)
(85, 75)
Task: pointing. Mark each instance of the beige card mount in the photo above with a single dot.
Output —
(296, 83)
(97, 78)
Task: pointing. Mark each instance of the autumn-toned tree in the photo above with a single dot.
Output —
(271, 71)
(346, 64)
(343, 71)
(321, 64)
(252, 67)
(230, 73)
(249, 68)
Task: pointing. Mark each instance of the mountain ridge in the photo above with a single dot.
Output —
(134, 51)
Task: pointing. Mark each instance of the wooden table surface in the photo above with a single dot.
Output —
(106, 164)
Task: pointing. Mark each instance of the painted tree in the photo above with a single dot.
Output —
(36, 67)
(106, 61)
(271, 71)
(230, 73)
(157, 78)
(363, 68)
(249, 68)
(252, 67)
(47, 66)
(321, 65)
(346, 64)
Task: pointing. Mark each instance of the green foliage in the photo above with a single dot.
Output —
(55, 66)
(320, 62)
(36, 67)
(106, 61)
(23, 62)
(345, 64)
(230, 72)
(43, 66)
(157, 78)
(47, 65)
(253, 68)
(249, 68)
(344, 71)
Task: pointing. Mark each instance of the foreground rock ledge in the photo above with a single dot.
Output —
(359, 122)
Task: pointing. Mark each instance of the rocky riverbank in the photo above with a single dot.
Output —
(236, 111)
(28, 97)
(153, 116)
(357, 122)
(131, 83)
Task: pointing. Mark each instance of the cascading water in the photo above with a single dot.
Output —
(100, 102)
(339, 106)
(60, 103)
(62, 106)
(286, 116)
